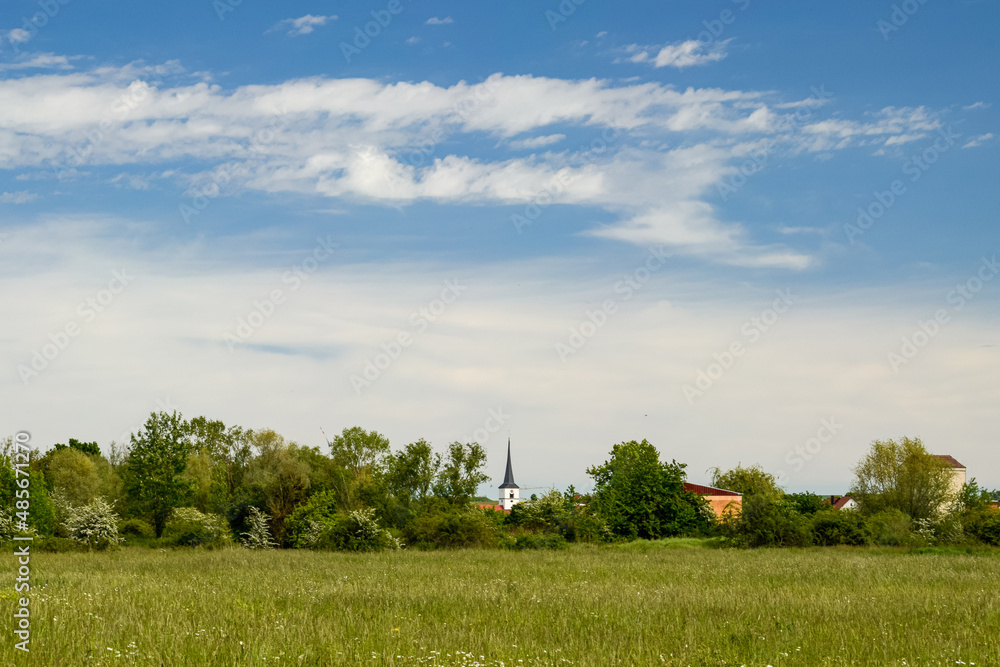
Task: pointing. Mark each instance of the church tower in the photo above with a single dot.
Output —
(509, 490)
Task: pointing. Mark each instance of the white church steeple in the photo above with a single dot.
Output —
(509, 490)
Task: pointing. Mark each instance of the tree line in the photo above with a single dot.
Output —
(199, 482)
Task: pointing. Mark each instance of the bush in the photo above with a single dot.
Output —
(95, 525)
(57, 545)
(310, 519)
(188, 527)
(985, 527)
(539, 541)
(440, 525)
(832, 527)
(766, 521)
(354, 531)
(259, 535)
(136, 528)
(892, 528)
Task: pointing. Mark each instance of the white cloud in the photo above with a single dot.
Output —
(302, 25)
(38, 61)
(977, 105)
(19, 197)
(413, 40)
(436, 21)
(978, 140)
(678, 55)
(536, 142)
(350, 138)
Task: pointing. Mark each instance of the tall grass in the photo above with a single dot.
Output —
(584, 606)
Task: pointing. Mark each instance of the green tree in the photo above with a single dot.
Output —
(157, 458)
(279, 477)
(358, 450)
(749, 480)
(807, 503)
(904, 476)
(410, 473)
(638, 496)
(461, 473)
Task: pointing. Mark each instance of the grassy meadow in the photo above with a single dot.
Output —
(672, 603)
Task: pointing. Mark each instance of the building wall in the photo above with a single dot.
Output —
(720, 503)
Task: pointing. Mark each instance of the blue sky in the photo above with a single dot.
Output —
(581, 217)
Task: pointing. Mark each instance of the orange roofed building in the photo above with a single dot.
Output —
(718, 499)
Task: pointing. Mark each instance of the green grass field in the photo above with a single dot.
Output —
(640, 605)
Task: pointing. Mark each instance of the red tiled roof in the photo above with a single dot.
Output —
(495, 508)
(702, 490)
(950, 460)
(843, 500)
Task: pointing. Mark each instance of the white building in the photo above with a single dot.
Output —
(509, 491)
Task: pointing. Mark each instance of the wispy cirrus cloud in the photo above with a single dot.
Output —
(434, 20)
(978, 140)
(302, 25)
(19, 197)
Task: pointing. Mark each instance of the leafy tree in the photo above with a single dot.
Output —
(640, 497)
(806, 503)
(766, 520)
(358, 450)
(746, 480)
(278, 477)
(833, 527)
(902, 476)
(410, 473)
(41, 513)
(74, 475)
(89, 448)
(155, 467)
(461, 473)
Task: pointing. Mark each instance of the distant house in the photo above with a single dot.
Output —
(718, 499)
(495, 508)
(958, 472)
(841, 502)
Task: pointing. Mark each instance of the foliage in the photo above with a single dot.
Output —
(766, 521)
(74, 475)
(637, 496)
(439, 524)
(352, 531)
(539, 541)
(902, 476)
(188, 527)
(136, 528)
(94, 524)
(278, 477)
(832, 527)
(891, 527)
(749, 481)
(411, 472)
(806, 503)
(259, 535)
(157, 458)
(41, 514)
(559, 513)
(461, 473)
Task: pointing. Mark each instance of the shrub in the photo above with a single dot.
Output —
(354, 531)
(7, 529)
(438, 525)
(891, 528)
(189, 528)
(259, 535)
(309, 520)
(137, 528)
(539, 541)
(95, 525)
(57, 545)
(985, 527)
(766, 521)
(833, 527)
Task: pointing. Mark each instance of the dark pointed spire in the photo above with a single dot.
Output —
(508, 478)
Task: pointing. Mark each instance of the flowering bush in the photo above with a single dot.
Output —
(94, 524)
(259, 535)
